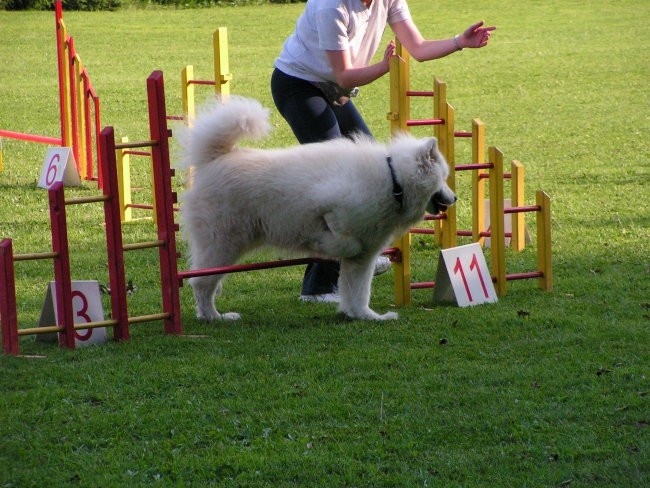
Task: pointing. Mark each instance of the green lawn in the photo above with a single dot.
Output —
(538, 390)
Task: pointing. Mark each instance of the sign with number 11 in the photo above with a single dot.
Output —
(463, 277)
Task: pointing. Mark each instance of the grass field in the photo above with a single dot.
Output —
(538, 390)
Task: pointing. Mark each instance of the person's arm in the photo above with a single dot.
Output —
(348, 77)
(422, 49)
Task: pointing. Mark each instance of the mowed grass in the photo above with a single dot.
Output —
(540, 389)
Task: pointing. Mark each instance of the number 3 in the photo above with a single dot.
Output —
(85, 335)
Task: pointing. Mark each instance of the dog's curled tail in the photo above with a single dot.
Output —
(218, 127)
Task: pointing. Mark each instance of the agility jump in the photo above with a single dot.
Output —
(171, 278)
(79, 107)
(221, 83)
(166, 244)
(446, 230)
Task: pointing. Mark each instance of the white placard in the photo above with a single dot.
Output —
(463, 277)
(507, 224)
(87, 307)
(59, 166)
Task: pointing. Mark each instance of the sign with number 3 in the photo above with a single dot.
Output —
(463, 277)
(87, 307)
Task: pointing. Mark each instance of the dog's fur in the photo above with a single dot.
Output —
(332, 199)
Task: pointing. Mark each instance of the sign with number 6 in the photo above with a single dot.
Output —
(59, 165)
(463, 277)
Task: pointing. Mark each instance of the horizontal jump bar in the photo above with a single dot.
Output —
(485, 176)
(31, 138)
(488, 233)
(200, 82)
(238, 268)
(144, 206)
(419, 93)
(141, 206)
(468, 167)
(426, 284)
(524, 276)
(78, 200)
(510, 277)
(142, 245)
(411, 123)
(440, 216)
(529, 208)
(126, 145)
(59, 328)
(148, 318)
(34, 256)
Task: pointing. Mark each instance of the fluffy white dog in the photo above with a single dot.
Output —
(342, 199)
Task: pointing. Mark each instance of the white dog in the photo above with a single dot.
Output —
(342, 199)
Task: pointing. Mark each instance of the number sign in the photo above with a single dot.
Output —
(59, 166)
(463, 277)
(87, 307)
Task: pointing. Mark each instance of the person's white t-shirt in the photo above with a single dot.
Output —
(337, 25)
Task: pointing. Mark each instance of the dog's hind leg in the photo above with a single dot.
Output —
(208, 288)
(355, 279)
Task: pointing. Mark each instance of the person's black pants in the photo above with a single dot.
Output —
(313, 119)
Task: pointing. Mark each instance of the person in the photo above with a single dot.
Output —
(322, 62)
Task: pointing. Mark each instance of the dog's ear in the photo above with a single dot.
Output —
(427, 152)
(430, 148)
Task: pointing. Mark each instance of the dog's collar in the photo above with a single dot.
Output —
(398, 192)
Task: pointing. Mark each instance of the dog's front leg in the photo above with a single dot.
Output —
(355, 279)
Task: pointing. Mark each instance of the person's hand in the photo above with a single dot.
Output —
(475, 36)
(390, 51)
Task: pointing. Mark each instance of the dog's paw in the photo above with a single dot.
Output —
(230, 316)
(208, 317)
(213, 315)
(369, 315)
(388, 316)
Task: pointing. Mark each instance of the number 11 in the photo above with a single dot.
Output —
(473, 266)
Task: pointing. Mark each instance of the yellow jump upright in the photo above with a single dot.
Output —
(398, 115)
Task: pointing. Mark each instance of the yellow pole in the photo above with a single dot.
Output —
(449, 238)
(67, 118)
(398, 115)
(439, 112)
(517, 200)
(544, 263)
(399, 80)
(478, 183)
(82, 163)
(187, 93)
(497, 230)
(222, 75)
(402, 271)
